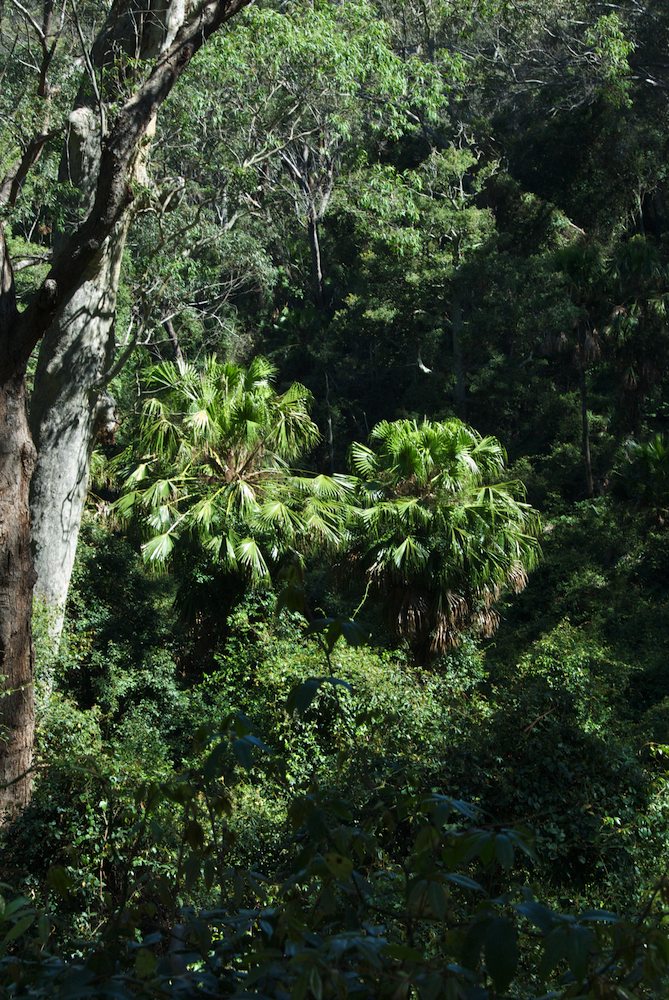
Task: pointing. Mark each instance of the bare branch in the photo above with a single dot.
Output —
(31, 21)
(33, 261)
(90, 71)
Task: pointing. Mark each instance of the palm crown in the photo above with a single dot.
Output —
(217, 444)
(443, 536)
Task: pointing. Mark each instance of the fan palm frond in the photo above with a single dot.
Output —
(218, 443)
(443, 537)
(159, 548)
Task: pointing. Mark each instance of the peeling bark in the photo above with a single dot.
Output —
(76, 352)
(17, 711)
(113, 195)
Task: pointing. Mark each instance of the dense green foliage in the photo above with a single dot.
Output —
(364, 685)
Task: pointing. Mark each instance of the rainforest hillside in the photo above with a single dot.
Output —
(334, 499)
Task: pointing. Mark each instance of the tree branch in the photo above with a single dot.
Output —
(113, 192)
(11, 183)
(31, 21)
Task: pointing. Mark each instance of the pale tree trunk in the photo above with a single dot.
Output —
(75, 262)
(78, 350)
(314, 197)
(316, 261)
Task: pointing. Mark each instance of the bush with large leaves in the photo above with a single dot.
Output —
(217, 444)
(441, 533)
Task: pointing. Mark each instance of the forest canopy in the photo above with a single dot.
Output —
(334, 499)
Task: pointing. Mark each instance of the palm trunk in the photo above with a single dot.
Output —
(17, 713)
(585, 432)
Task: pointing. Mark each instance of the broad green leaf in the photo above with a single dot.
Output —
(158, 549)
(19, 928)
(464, 881)
(340, 866)
(501, 952)
(303, 694)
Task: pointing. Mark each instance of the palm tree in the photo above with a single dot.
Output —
(649, 468)
(217, 446)
(441, 534)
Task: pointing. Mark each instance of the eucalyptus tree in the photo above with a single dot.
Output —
(65, 412)
(442, 534)
(70, 291)
(295, 89)
(299, 94)
(217, 446)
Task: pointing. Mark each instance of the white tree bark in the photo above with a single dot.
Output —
(78, 349)
(76, 352)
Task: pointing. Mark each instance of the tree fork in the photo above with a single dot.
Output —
(76, 357)
(113, 194)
